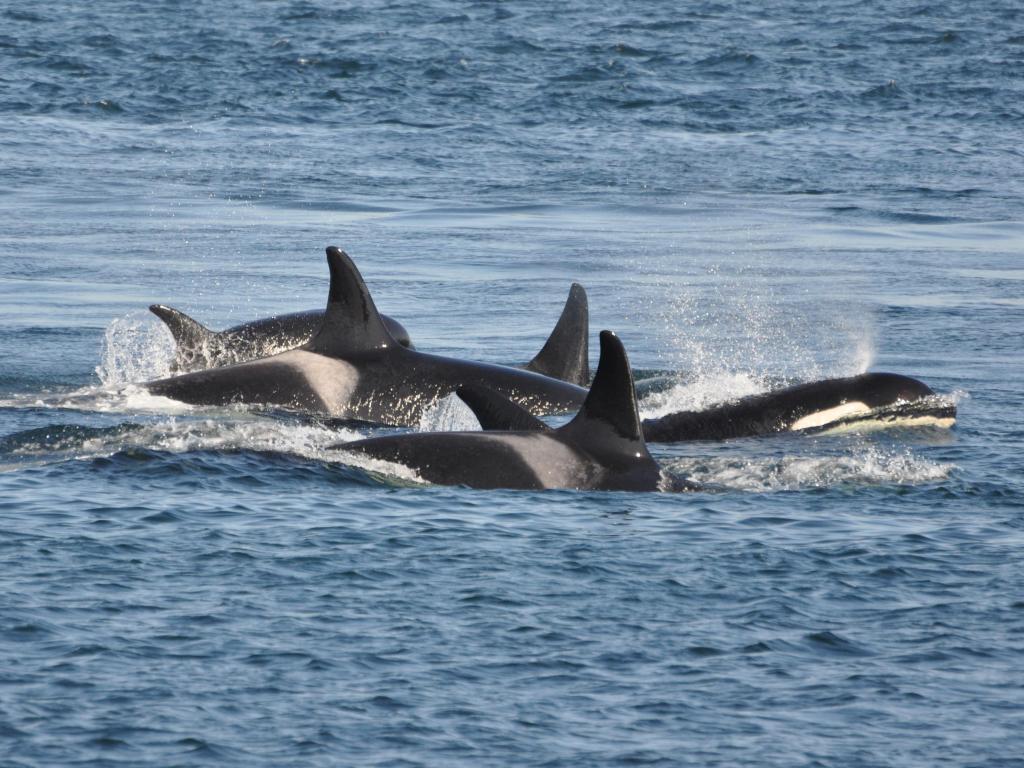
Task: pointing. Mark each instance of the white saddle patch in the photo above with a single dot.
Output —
(331, 379)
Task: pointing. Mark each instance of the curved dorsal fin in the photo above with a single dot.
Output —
(195, 343)
(495, 412)
(351, 322)
(609, 416)
(565, 355)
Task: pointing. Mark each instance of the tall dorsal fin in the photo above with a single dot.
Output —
(565, 355)
(495, 412)
(609, 417)
(194, 341)
(351, 322)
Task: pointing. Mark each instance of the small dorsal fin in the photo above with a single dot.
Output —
(609, 415)
(565, 355)
(351, 322)
(195, 342)
(495, 412)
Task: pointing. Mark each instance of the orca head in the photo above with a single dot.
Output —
(351, 324)
(881, 389)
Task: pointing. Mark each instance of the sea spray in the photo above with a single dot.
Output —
(136, 347)
(738, 325)
(449, 414)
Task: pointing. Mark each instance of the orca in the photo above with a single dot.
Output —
(197, 347)
(832, 405)
(564, 355)
(805, 407)
(353, 368)
(602, 448)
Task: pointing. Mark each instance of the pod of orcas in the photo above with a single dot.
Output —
(351, 362)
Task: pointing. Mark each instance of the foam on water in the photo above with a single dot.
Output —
(180, 435)
(378, 467)
(101, 399)
(867, 465)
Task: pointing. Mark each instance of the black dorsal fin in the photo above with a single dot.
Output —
(351, 322)
(609, 417)
(196, 344)
(565, 355)
(496, 412)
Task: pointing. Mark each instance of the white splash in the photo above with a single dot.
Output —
(136, 347)
(743, 327)
(376, 466)
(449, 414)
(176, 435)
(701, 393)
(130, 399)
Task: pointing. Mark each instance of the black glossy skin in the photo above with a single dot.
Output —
(602, 448)
(293, 326)
(199, 348)
(518, 460)
(391, 386)
(777, 411)
(353, 368)
(564, 355)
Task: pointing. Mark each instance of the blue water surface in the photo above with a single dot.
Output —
(751, 193)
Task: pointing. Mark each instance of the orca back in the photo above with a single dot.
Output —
(351, 322)
(565, 355)
(607, 426)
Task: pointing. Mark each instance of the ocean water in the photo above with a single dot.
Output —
(751, 194)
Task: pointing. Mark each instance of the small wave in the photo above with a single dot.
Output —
(889, 90)
(730, 59)
(510, 46)
(124, 399)
(306, 440)
(386, 471)
(590, 74)
(61, 437)
(61, 442)
(624, 49)
(870, 466)
(334, 67)
(913, 217)
(104, 105)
